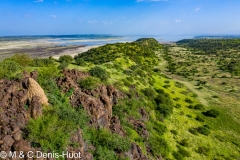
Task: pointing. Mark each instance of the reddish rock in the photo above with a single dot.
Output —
(140, 127)
(136, 153)
(7, 142)
(116, 127)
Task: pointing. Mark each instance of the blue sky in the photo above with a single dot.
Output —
(119, 17)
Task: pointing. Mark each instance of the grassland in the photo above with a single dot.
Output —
(175, 86)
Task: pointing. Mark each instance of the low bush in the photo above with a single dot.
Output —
(203, 130)
(63, 65)
(188, 100)
(42, 62)
(177, 155)
(193, 131)
(159, 146)
(199, 107)
(183, 152)
(211, 113)
(164, 109)
(199, 118)
(176, 99)
(22, 59)
(105, 138)
(166, 86)
(174, 132)
(9, 69)
(48, 131)
(65, 58)
(103, 153)
(99, 73)
(80, 61)
(203, 150)
(178, 105)
(150, 93)
(184, 143)
(89, 83)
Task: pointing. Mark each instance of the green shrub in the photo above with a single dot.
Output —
(203, 130)
(203, 150)
(80, 61)
(47, 73)
(103, 153)
(42, 62)
(164, 109)
(176, 99)
(184, 143)
(49, 132)
(111, 141)
(89, 83)
(99, 73)
(22, 59)
(199, 107)
(193, 131)
(183, 152)
(65, 58)
(199, 118)
(158, 127)
(188, 100)
(179, 85)
(211, 113)
(177, 155)
(126, 83)
(159, 146)
(178, 105)
(174, 132)
(166, 86)
(9, 69)
(150, 93)
(63, 65)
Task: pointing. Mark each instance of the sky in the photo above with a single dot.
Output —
(120, 17)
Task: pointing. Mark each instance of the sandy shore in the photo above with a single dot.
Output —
(40, 49)
(74, 52)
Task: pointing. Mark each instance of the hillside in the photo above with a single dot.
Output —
(120, 101)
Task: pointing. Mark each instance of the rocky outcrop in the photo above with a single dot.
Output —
(98, 102)
(19, 100)
(78, 145)
(116, 127)
(136, 153)
(140, 127)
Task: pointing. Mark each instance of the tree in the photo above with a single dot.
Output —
(66, 58)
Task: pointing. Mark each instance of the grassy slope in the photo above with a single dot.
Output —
(223, 142)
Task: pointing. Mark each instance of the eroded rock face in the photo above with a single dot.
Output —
(16, 107)
(98, 102)
(80, 146)
(140, 127)
(136, 153)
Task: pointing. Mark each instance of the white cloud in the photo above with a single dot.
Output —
(105, 22)
(197, 9)
(53, 16)
(93, 21)
(38, 1)
(151, 0)
(178, 20)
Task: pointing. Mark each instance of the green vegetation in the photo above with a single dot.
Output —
(9, 69)
(89, 83)
(99, 73)
(188, 116)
